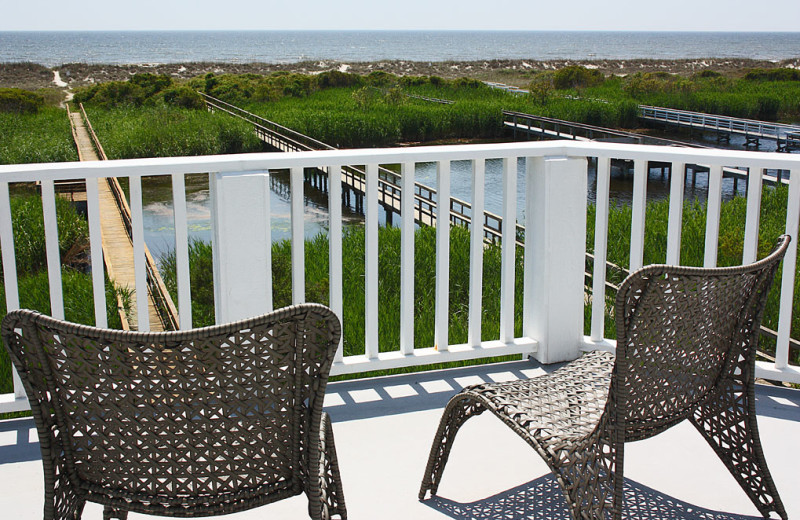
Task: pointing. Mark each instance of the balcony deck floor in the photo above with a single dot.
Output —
(384, 427)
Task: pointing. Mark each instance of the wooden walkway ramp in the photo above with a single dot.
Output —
(117, 245)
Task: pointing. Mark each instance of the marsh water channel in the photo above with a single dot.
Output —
(159, 216)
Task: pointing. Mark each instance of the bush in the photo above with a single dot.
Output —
(184, 97)
(643, 83)
(708, 73)
(773, 75)
(112, 94)
(379, 78)
(151, 83)
(541, 88)
(335, 78)
(15, 100)
(576, 76)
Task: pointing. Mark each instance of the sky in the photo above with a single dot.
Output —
(577, 15)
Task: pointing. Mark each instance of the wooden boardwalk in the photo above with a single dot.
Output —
(117, 244)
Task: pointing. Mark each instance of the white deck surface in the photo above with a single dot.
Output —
(384, 427)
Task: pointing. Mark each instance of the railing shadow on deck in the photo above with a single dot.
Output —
(542, 499)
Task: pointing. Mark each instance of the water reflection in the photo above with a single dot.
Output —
(159, 215)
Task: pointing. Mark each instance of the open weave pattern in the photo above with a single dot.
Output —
(557, 414)
(686, 348)
(188, 423)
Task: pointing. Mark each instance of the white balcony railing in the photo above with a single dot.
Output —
(555, 221)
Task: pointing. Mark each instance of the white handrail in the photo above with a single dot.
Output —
(536, 154)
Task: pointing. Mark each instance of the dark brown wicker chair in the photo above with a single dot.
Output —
(686, 345)
(188, 423)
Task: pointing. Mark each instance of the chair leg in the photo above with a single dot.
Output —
(591, 476)
(330, 500)
(728, 422)
(459, 409)
(110, 512)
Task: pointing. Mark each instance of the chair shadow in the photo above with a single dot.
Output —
(542, 499)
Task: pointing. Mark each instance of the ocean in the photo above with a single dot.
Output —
(133, 47)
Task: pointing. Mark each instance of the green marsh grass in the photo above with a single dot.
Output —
(164, 131)
(317, 284)
(729, 253)
(316, 260)
(33, 283)
(42, 137)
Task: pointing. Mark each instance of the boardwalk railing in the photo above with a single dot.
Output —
(165, 307)
(555, 188)
(750, 128)
(389, 182)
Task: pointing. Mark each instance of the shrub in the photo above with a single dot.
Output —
(541, 87)
(379, 78)
(576, 76)
(184, 97)
(708, 73)
(112, 94)
(19, 101)
(151, 83)
(641, 84)
(773, 75)
(335, 78)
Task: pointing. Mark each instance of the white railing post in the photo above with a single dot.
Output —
(9, 271)
(555, 237)
(242, 245)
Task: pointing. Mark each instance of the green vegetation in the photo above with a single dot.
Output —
(575, 76)
(18, 101)
(769, 98)
(772, 75)
(44, 136)
(140, 90)
(731, 245)
(165, 131)
(773, 215)
(34, 292)
(316, 253)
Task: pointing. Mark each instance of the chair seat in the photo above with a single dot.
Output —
(563, 405)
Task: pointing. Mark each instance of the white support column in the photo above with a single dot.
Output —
(712, 216)
(182, 251)
(371, 263)
(139, 261)
(442, 318)
(335, 269)
(600, 249)
(675, 221)
(638, 211)
(753, 220)
(242, 245)
(96, 244)
(476, 254)
(555, 240)
(508, 250)
(407, 259)
(52, 250)
(298, 236)
(9, 270)
(789, 269)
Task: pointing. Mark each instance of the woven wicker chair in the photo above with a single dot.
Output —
(189, 423)
(686, 344)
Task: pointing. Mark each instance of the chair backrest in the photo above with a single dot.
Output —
(681, 332)
(218, 410)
